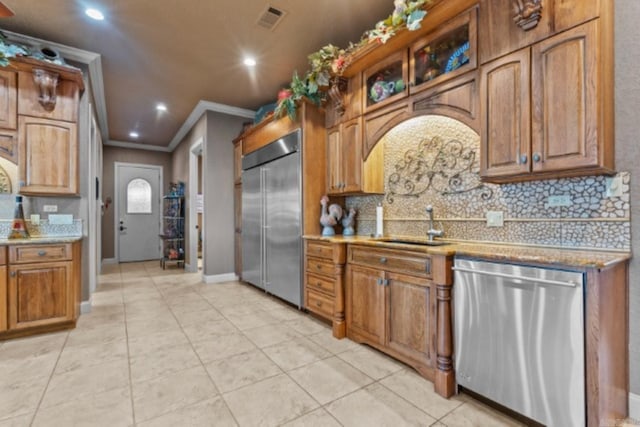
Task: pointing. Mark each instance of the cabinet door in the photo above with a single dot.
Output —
(365, 303)
(8, 100)
(237, 157)
(48, 156)
(351, 161)
(40, 294)
(505, 116)
(410, 317)
(569, 13)
(3, 296)
(565, 84)
(386, 82)
(334, 161)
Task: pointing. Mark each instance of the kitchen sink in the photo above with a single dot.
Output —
(412, 242)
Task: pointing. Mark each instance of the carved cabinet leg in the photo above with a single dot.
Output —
(445, 377)
(339, 325)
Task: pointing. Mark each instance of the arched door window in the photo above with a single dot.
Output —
(139, 197)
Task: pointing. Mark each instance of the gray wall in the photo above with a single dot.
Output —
(218, 192)
(110, 156)
(627, 95)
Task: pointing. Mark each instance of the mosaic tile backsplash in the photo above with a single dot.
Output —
(45, 229)
(434, 160)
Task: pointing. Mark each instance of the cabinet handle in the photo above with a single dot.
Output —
(42, 253)
(523, 159)
(383, 260)
(318, 267)
(386, 282)
(379, 281)
(13, 274)
(536, 157)
(318, 304)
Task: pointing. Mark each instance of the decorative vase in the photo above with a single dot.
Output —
(18, 226)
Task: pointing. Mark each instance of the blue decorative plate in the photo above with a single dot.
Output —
(458, 58)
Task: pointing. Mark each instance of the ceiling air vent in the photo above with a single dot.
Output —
(271, 17)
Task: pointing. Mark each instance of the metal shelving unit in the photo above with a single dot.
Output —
(172, 231)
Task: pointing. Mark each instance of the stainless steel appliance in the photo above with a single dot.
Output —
(272, 218)
(519, 338)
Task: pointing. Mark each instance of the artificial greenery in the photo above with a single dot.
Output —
(8, 50)
(331, 61)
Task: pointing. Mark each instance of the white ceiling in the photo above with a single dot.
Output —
(182, 52)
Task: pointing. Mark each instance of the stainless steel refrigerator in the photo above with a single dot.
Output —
(272, 218)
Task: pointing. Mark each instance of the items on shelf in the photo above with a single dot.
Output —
(173, 227)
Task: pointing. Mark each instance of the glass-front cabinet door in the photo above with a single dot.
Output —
(445, 53)
(386, 82)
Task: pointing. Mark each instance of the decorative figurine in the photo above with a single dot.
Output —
(348, 222)
(329, 217)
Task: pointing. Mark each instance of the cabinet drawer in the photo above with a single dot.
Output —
(319, 266)
(319, 249)
(3, 255)
(319, 303)
(318, 283)
(414, 263)
(40, 253)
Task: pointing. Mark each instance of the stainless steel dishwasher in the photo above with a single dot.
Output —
(519, 338)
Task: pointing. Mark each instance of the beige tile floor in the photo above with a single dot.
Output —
(162, 349)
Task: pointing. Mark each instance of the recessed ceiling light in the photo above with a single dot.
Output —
(95, 14)
(249, 62)
(134, 134)
(161, 107)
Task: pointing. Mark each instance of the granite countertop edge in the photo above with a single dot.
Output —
(40, 240)
(528, 254)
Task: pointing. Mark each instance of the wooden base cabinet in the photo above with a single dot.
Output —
(3, 287)
(399, 302)
(42, 290)
(323, 282)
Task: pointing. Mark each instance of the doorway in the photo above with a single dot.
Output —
(137, 220)
(195, 252)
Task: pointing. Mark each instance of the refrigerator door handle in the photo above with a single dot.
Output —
(263, 222)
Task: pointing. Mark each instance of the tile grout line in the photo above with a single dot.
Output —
(164, 298)
(35, 413)
(126, 333)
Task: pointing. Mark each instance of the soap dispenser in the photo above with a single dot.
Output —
(18, 226)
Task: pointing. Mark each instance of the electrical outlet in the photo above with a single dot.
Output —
(614, 187)
(495, 219)
(50, 208)
(564, 200)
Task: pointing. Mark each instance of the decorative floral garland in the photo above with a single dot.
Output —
(330, 61)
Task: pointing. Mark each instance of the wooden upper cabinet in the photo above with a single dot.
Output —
(348, 171)
(8, 100)
(447, 52)
(66, 104)
(565, 80)
(508, 25)
(48, 157)
(386, 82)
(566, 128)
(237, 161)
(500, 33)
(505, 115)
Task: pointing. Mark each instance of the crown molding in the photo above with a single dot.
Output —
(201, 108)
(92, 60)
(136, 146)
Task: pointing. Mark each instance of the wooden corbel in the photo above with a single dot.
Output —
(527, 13)
(47, 83)
(337, 88)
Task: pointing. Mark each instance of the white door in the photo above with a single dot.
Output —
(138, 221)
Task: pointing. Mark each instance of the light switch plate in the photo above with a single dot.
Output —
(563, 200)
(495, 219)
(50, 208)
(61, 219)
(614, 187)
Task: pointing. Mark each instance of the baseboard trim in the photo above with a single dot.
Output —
(219, 278)
(634, 406)
(85, 307)
(109, 261)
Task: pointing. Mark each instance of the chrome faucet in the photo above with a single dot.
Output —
(432, 232)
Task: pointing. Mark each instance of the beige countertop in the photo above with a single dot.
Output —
(494, 251)
(43, 240)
